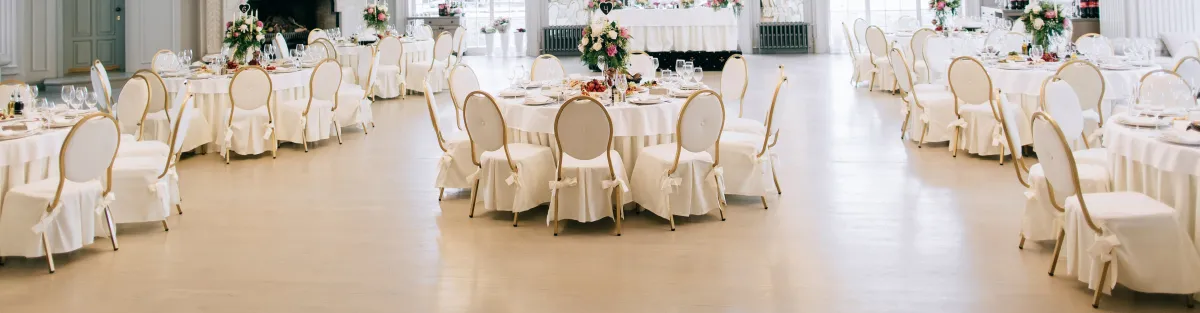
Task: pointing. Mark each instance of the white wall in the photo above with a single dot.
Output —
(39, 37)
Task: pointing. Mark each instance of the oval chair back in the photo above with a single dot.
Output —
(1058, 99)
(179, 129)
(735, 78)
(969, 82)
(850, 41)
(460, 33)
(102, 86)
(364, 71)
(1089, 85)
(326, 47)
(324, 83)
(546, 67)
(860, 32)
(1012, 41)
(158, 92)
(250, 89)
(1058, 163)
(781, 96)
(1189, 69)
(1010, 118)
(442, 47)
(162, 59)
(700, 124)
(281, 45)
(876, 43)
(900, 68)
(485, 126)
(434, 115)
(583, 129)
(641, 63)
(88, 153)
(315, 34)
(463, 81)
(131, 108)
(390, 51)
(1165, 88)
(1094, 44)
(917, 45)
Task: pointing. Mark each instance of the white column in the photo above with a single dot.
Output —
(536, 18)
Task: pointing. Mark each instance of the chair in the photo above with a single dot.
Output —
(1166, 89)
(746, 156)
(1040, 216)
(1104, 234)
(877, 45)
(1059, 100)
(163, 60)
(977, 121)
(132, 147)
(735, 78)
(683, 178)
(131, 110)
(938, 52)
(590, 182)
(310, 120)
(1018, 27)
(281, 45)
(463, 81)
(149, 185)
(860, 34)
(861, 61)
(321, 49)
(932, 106)
(436, 66)
(101, 86)
(456, 164)
(1089, 85)
(156, 109)
(457, 53)
(354, 101)
(1094, 45)
(907, 23)
(391, 75)
(426, 32)
(641, 63)
(250, 128)
(995, 38)
(1188, 68)
(62, 211)
(546, 67)
(1012, 42)
(511, 176)
(316, 34)
(917, 62)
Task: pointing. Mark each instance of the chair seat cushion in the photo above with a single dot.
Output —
(500, 190)
(73, 226)
(744, 125)
(743, 167)
(690, 190)
(144, 195)
(248, 134)
(585, 193)
(455, 164)
(293, 125)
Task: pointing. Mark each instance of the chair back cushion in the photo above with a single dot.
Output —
(734, 79)
(1060, 101)
(250, 88)
(969, 81)
(484, 123)
(90, 148)
(162, 60)
(443, 46)
(1010, 113)
(876, 42)
(700, 121)
(1055, 155)
(1166, 89)
(364, 71)
(326, 78)
(158, 91)
(389, 51)
(102, 86)
(1087, 81)
(546, 67)
(583, 128)
(459, 34)
(180, 122)
(641, 63)
(131, 106)
(860, 32)
(281, 45)
(903, 74)
(917, 45)
(462, 82)
(316, 34)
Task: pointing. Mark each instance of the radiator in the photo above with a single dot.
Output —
(561, 40)
(783, 37)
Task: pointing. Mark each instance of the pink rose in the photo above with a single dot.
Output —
(382, 17)
(237, 34)
(612, 50)
(941, 5)
(228, 24)
(371, 10)
(1051, 14)
(259, 23)
(624, 32)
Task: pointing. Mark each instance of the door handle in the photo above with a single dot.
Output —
(118, 9)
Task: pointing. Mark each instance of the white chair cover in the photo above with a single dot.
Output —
(456, 163)
(546, 67)
(102, 86)
(131, 107)
(735, 78)
(462, 82)
(980, 131)
(682, 178)
(938, 52)
(281, 45)
(30, 212)
(511, 176)
(745, 158)
(590, 173)
(252, 128)
(354, 103)
(1088, 84)
(1060, 101)
(860, 33)
(861, 61)
(877, 45)
(310, 120)
(436, 67)
(391, 78)
(916, 59)
(149, 185)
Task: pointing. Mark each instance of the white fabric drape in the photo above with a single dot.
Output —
(695, 29)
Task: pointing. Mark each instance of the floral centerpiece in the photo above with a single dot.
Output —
(736, 5)
(1044, 21)
(376, 16)
(243, 35)
(450, 8)
(643, 3)
(501, 24)
(687, 3)
(605, 39)
(944, 9)
(593, 5)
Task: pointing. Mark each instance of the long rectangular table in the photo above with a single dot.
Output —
(694, 29)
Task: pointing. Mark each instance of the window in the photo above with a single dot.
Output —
(882, 13)
(479, 14)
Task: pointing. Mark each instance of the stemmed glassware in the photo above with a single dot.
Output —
(687, 71)
(512, 78)
(666, 75)
(654, 61)
(622, 85)
(92, 98)
(699, 75)
(679, 65)
(81, 97)
(68, 95)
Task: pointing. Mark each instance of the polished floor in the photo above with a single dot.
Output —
(866, 223)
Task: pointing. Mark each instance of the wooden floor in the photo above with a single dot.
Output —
(866, 223)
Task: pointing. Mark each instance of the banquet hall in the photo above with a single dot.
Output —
(599, 155)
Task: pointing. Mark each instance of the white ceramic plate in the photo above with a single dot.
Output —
(646, 101)
(1181, 137)
(1143, 121)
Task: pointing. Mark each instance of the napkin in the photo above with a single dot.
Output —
(512, 93)
(691, 86)
(681, 93)
(647, 99)
(537, 99)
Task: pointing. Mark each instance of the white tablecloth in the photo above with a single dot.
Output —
(29, 159)
(414, 51)
(211, 96)
(634, 127)
(1118, 84)
(1164, 171)
(694, 29)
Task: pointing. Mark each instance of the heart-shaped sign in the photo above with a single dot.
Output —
(244, 7)
(606, 7)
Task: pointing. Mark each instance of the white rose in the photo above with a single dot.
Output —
(596, 46)
(261, 37)
(1038, 23)
(584, 41)
(612, 34)
(243, 27)
(1028, 9)
(598, 28)
(1037, 8)
(581, 47)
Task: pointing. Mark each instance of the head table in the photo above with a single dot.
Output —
(692, 29)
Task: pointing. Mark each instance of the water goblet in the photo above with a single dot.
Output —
(666, 75)
(91, 99)
(67, 94)
(679, 65)
(622, 85)
(699, 75)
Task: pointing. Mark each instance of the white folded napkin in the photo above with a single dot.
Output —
(512, 93)
(537, 99)
(646, 99)
(1182, 136)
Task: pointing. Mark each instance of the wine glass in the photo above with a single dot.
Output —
(699, 75)
(512, 78)
(679, 65)
(1036, 53)
(622, 85)
(33, 93)
(68, 95)
(81, 94)
(688, 70)
(666, 75)
(654, 61)
(91, 98)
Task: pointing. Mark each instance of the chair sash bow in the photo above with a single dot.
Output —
(962, 123)
(105, 201)
(270, 130)
(997, 135)
(615, 182)
(46, 219)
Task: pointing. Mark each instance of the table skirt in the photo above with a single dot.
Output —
(628, 147)
(215, 108)
(1175, 189)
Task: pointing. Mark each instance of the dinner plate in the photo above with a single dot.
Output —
(646, 101)
(512, 93)
(536, 101)
(1142, 121)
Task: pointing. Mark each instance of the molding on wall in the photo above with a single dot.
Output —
(151, 25)
(9, 31)
(40, 58)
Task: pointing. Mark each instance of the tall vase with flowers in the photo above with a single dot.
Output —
(605, 41)
(944, 10)
(243, 35)
(1044, 21)
(376, 16)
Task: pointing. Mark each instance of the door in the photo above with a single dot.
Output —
(94, 30)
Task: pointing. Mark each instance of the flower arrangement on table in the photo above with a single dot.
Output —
(605, 39)
(501, 24)
(450, 8)
(376, 16)
(736, 5)
(944, 9)
(593, 5)
(643, 3)
(1043, 21)
(243, 35)
(687, 3)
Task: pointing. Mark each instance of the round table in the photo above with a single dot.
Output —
(211, 96)
(634, 126)
(1168, 172)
